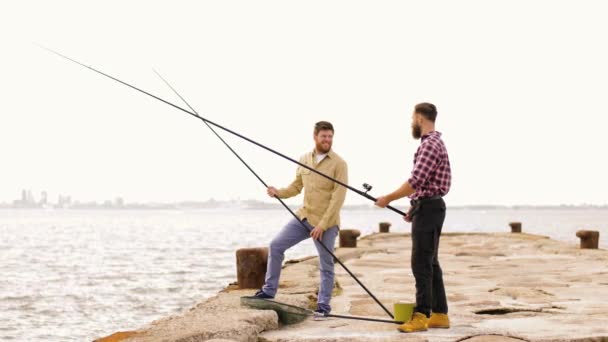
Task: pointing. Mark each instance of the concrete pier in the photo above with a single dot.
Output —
(500, 287)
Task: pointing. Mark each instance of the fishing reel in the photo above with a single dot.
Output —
(367, 187)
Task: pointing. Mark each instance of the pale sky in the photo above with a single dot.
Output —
(521, 89)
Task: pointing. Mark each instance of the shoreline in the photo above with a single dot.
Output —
(511, 285)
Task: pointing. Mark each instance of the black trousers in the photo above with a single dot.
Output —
(427, 221)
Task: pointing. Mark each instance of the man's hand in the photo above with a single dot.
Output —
(317, 233)
(408, 216)
(382, 201)
(272, 191)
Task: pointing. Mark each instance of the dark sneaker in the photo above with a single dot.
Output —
(262, 295)
(321, 313)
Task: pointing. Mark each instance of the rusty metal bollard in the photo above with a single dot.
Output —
(348, 237)
(384, 227)
(251, 267)
(515, 227)
(589, 238)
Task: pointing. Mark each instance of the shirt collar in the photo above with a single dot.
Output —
(431, 134)
(329, 154)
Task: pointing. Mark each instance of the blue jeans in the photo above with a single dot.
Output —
(291, 234)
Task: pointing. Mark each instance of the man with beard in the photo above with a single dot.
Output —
(429, 182)
(319, 217)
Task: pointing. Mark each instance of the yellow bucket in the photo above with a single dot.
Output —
(403, 311)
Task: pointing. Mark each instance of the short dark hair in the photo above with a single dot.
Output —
(323, 126)
(428, 110)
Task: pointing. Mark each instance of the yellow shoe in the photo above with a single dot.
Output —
(417, 323)
(439, 320)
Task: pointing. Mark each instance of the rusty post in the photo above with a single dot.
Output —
(348, 238)
(515, 227)
(251, 267)
(589, 238)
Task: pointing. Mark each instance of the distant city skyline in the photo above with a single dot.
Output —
(28, 200)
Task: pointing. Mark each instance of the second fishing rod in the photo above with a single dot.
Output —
(279, 199)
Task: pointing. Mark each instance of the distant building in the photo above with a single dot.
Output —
(30, 199)
(119, 202)
(27, 200)
(64, 201)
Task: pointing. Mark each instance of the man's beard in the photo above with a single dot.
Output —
(322, 149)
(416, 131)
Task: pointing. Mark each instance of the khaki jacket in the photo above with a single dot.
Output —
(323, 198)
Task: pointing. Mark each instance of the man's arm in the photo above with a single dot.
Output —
(427, 160)
(291, 190)
(404, 190)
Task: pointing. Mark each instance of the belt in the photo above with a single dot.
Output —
(415, 204)
(425, 199)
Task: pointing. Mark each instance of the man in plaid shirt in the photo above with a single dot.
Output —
(429, 182)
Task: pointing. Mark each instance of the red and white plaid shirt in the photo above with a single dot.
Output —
(432, 175)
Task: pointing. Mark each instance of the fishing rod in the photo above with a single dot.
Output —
(362, 193)
(369, 319)
(289, 313)
(279, 199)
